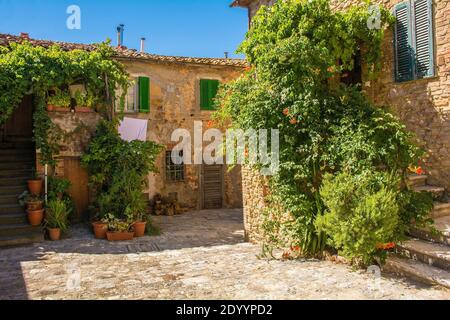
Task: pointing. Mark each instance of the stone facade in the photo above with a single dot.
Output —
(422, 104)
(174, 104)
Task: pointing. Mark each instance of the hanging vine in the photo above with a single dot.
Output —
(26, 69)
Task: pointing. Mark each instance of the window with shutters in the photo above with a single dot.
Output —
(137, 98)
(174, 172)
(208, 91)
(414, 45)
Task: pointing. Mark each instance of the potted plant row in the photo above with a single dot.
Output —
(85, 102)
(33, 200)
(59, 102)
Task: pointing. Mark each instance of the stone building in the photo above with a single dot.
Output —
(174, 89)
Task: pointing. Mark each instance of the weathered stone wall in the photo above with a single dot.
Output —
(175, 103)
(255, 5)
(423, 105)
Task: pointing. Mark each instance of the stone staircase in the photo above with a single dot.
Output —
(426, 255)
(16, 161)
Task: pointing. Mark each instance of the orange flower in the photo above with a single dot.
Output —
(420, 171)
(386, 246)
(210, 124)
(330, 69)
(293, 121)
(246, 153)
(296, 248)
(286, 111)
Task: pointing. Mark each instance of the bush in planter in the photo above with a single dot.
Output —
(361, 212)
(56, 219)
(60, 99)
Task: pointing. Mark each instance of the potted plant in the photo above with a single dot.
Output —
(85, 102)
(56, 219)
(136, 209)
(118, 230)
(58, 187)
(100, 228)
(35, 217)
(34, 202)
(35, 183)
(59, 102)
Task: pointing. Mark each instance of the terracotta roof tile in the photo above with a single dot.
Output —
(6, 39)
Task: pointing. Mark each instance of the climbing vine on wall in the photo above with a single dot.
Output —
(27, 69)
(331, 137)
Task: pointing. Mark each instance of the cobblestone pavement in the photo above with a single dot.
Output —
(200, 255)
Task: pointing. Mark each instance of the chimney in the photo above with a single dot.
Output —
(120, 29)
(24, 35)
(226, 54)
(142, 44)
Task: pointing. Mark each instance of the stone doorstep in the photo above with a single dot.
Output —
(433, 189)
(436, 255)
(440, 210)
(442, 225)
(418, 271)
(414, 180)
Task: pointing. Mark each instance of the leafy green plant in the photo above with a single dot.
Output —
(85, 99)
(27, 69)
(117, 225)
(58, 187)
(60, 99)
(118, 170)
(297, 48)
(361, 213)
(57, 215)
(136, 205)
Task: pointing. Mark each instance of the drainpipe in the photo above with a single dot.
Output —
(46, 182)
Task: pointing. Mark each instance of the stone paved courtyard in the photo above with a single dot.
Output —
(200, 255)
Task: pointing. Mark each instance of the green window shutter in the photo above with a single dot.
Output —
(208, 91)
(144, 94)
(423, 37)
(404, 52)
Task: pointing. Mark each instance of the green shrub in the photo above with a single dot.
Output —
(361, 213)
(57, 214)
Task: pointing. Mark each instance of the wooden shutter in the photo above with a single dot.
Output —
(208, 91)
(144, 94)
(423, 37)
(404, 53)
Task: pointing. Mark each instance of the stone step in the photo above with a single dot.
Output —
(10, 230)
(35, 236)
(15, 173)
(13, 218)
(15, 190)
(415, 180)
(437, 192)
(16, 158)
(10, 208)
(8, 199)
(433, 254)
(442, 226)
(16, 165)
(13, 181)
(28, 145)
(418, 271)
(441, 209)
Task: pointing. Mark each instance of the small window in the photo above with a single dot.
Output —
(174, 172)
(137, 98)
(414, 43)
(208, 92)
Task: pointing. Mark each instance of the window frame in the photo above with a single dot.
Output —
(172, 170)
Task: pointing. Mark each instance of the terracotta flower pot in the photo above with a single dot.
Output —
(35, 217)
(83, 109)
(54, 233)
(35, 187)
(139, 229)
(120, 236)
(34, 206)
(100, 230)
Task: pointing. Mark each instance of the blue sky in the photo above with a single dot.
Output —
(202, 28)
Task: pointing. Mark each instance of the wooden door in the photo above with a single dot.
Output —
(212, 186)
(79, 191)
(20, 124)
